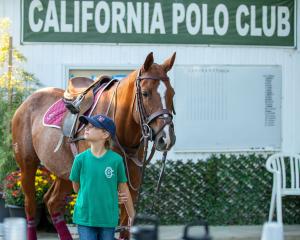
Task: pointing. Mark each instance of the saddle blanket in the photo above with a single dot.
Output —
(54, 115)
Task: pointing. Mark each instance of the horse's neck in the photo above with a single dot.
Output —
(128, 130)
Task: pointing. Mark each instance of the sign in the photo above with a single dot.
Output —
(217, 22)
(227, 108)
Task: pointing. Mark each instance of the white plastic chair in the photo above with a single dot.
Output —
(278, 164)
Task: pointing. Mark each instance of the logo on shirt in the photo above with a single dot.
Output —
(109, 172)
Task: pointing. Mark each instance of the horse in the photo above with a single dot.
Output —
(34, 143)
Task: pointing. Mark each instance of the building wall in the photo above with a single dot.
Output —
(49, 62)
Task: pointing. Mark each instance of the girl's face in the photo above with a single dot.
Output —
(94, 134)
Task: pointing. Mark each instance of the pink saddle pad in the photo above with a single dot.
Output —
(54, 115)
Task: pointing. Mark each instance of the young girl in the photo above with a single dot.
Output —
(97, 174)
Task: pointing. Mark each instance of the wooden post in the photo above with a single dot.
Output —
(9, 75)
(9, 81)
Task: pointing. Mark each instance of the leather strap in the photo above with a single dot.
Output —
(159, 113)
(74, 149)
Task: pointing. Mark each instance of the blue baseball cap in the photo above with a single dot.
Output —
(100, 121)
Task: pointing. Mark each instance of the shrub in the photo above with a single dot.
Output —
(15, 86)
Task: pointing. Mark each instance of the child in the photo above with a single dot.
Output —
(97, 174)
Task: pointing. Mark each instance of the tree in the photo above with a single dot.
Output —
(15, 85)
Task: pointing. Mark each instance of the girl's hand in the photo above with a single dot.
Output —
(122, 197)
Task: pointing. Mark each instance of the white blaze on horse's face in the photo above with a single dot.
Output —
(162, 90)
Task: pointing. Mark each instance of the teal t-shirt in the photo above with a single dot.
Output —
(97, 200)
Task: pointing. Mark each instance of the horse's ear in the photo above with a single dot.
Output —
(168, 64)
(148, 62)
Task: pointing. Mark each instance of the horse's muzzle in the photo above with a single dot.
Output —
(166, 138)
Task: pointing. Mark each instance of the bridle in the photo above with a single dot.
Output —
(148, 133)
(146, 119)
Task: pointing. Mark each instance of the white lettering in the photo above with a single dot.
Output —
(254, 31)
(242, 30)
(178, 16)
(283, 28)
(118, 15)
(134, 17)
(205, 28)
(157, 20)
(76, 15)
(51, 17)
(64, 26)
(146, 17)
(269, 31)
(102, 6)
(193, 8)
(86, 16)
(35, 27)
(221, 9)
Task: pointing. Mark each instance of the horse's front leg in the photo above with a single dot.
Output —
(56, 206)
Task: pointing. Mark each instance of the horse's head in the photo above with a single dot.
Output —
(154, 100)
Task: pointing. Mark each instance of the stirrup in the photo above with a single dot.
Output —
(74, 106)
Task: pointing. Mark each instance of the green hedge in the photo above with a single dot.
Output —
(224, 190)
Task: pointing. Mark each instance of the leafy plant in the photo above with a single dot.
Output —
(15, 85)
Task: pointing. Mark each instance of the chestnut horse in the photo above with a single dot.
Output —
(34, 143)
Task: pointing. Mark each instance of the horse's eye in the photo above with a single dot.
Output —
(145, 94)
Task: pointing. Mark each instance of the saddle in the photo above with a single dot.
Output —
(79, 98)
(76, 86)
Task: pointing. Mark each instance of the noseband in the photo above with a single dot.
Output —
(146, 119)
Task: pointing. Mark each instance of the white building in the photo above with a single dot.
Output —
(223, 120)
